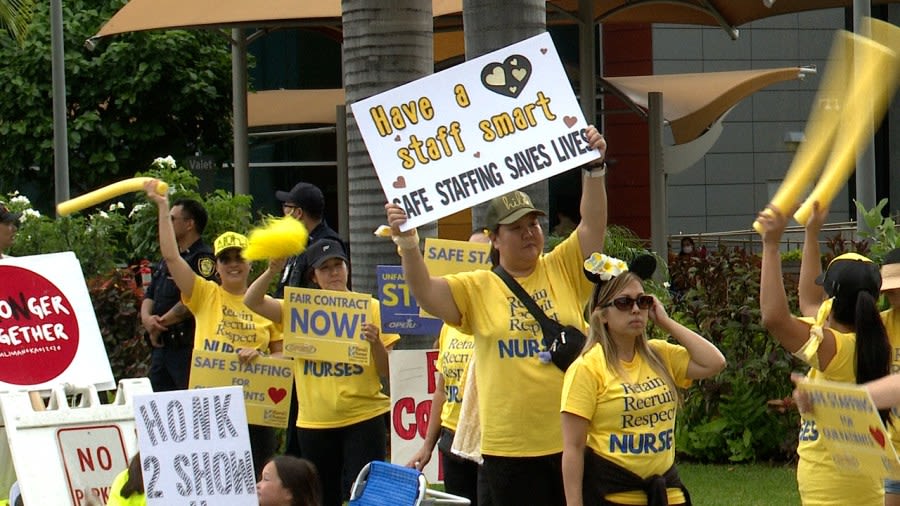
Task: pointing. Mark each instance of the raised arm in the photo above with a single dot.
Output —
(432, 293)
(773, 303)
(811, 295)
(256, 299)
(181, 272)
(706, 359)
(591, 229)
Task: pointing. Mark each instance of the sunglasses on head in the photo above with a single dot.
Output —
(626, 303)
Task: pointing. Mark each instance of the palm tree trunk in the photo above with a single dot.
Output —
(386, 43)
(493, 24)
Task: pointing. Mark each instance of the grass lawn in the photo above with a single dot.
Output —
(740, 485)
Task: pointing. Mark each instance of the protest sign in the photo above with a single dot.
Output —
(483, 128)
(195, 448)
(267, 383)
(413, 381)
(325, 325)
(849, 424)
(399, 309)
(444, 256)
(46, 318)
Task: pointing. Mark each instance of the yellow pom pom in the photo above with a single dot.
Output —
(162, 188)
(278, 238)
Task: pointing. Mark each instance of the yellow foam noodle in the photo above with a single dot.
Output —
(872, 85)
(107, 192)
(277, 238)
(821, 127)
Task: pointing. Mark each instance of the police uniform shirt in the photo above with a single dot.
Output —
(163, 290)
(295, 270)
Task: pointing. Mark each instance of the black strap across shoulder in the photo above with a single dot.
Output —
(545, 321)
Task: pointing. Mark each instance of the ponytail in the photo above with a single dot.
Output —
(873, 349)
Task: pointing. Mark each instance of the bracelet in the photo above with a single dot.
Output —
(593, 171)
(406, 241)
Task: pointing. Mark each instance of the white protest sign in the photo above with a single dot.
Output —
(195, 448)
(413, 381)
(48, 329)
(483, 128)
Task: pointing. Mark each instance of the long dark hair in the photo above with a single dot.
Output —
(301, 478)
(873, 348)
(135, 482)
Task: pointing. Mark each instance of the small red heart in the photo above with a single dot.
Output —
(543, 50)
(277, 394)
(400, 182)
(397, 138)
(878, 435)
(570, 120)
(478, 154)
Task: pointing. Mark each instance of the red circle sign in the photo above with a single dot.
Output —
(38, 328)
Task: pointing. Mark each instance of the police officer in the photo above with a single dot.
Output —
(168, 323)
(306, 203)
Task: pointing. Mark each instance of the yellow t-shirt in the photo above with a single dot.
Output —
(518, 395)
(335, 394)
(891, 319)
(820, 482)
(632, 420)
(224, 323)
(115, 497)
(453, 362)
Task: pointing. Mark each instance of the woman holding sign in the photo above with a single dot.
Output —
(224, 323)
(519, 389)
(340, 424)
(848, 345)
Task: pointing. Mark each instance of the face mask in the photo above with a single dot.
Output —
(688, 249)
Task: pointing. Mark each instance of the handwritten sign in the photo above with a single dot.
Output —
(849, 424)
(266, 382)
(478, 130)
(195, 448)
(399, 309)
(325, 325)
(46, 318)
(413, 381)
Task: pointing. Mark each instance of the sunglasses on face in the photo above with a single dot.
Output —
(626, 303)
(234, 257)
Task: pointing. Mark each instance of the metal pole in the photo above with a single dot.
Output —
(865, 158)
(239, 105)
(587, 59)
(60, 131)
(658, 206)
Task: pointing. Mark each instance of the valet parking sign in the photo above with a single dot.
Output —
(483, 128)
(48, 329)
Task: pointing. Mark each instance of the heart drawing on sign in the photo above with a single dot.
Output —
(400, 182)
(277, 394)
(878, 435)
(507, 78)
(570, 120)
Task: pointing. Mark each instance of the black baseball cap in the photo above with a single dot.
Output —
(306, 196)
(849, 274)
(7, 216)
(324, 249)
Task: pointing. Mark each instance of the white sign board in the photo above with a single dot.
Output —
(195, 448)
(68, 455)
(483, 128)
(48, 330)
(92, 458)
(413, 380)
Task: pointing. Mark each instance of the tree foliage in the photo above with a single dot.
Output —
(134, 97)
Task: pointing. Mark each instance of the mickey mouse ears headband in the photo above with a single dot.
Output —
(599, 268)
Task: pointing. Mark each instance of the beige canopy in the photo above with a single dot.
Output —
(693, 102)
(292, 107)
